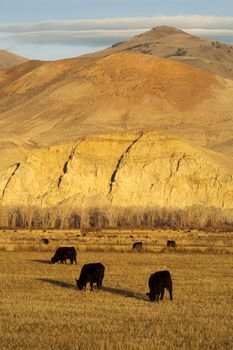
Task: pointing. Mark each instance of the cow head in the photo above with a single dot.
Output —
(151, 296)
(79, 284)
(53, 260)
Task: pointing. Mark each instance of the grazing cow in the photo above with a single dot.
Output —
(171, 244)
(158, 281)
(93, 273)
(137, 246)
(64, 253)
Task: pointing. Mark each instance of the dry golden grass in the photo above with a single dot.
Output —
(117, 240)
(41, 308)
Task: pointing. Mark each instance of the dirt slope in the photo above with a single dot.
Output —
(175, 44)
(8, 59)
(55, 102)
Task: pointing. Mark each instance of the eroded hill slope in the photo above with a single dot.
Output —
(43, 104)
(140, 169)
(8, 59)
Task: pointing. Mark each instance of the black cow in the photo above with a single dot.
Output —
(171, 244)
(44, 240)
(64, 253)
(93, 273)
(158, 281)
(137, 246)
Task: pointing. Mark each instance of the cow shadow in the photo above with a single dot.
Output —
(117, 291)
(42, 261)
(57, 283)
(125, 293)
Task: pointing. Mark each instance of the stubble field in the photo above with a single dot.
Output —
(42, 309)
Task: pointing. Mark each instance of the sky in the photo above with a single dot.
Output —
(54, 29)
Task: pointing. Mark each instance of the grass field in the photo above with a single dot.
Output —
(42, 309)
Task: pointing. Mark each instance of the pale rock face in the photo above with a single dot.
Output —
(122, 170)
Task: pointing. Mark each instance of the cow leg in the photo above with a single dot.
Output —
(91, 283)
(170, 292)
(162, 294)
(157, 297)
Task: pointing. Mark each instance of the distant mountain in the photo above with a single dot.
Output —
(8, 59)
(175, 44)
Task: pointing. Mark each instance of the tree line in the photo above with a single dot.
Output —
(194, 217)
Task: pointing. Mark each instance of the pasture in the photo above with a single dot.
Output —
(42, 309)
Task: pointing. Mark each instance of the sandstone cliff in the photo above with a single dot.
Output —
(141, 169)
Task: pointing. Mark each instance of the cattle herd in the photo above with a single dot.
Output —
(94, 273)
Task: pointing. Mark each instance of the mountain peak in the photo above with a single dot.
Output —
(161, 31)
(168, 30)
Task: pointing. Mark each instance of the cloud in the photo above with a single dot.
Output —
(202, 22)
(98, 38)
(225, 35)
(100, 33)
